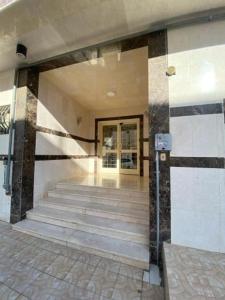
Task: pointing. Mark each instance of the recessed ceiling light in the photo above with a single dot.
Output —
(111, 94)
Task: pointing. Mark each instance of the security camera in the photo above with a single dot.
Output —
(21, 50)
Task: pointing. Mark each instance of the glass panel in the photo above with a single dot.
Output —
(109, 160)
(129, 136)
(110, 137)
(128, 160)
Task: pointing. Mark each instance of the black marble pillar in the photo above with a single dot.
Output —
(158, 123)
(24, 143)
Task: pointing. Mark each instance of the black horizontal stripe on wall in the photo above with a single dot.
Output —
(86, 54)
(204, 109)
(198, 162)
(63, 134)
(60, 157)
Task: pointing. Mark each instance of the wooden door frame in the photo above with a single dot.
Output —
(141, 135)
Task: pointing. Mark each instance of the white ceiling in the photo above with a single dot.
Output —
(125, 74)
(51, 27)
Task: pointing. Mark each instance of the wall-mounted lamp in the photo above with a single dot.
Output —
(171, 71)
(79, 121)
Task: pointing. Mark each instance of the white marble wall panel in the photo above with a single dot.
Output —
(198, 54)
(6, 88)
(5, 201)
(48, 173)
(198, 135)
(59, 112)
(56, 145)
(197, 208)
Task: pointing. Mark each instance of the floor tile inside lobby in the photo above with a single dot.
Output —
(32, 268)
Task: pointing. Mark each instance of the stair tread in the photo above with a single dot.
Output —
(74, 217)
(116, 247)
(85, 195)
(96, 206)
(99, 189)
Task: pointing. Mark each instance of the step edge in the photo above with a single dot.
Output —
(144, 203)
(85, 224)
(70, 243)
(91, 211)
(119, 235)
(102, 187)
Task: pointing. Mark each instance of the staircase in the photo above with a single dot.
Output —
(109, 222)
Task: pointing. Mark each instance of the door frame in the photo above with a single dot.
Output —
(119, 118)
(118, 150)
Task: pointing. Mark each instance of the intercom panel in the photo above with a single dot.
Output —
(163, 142)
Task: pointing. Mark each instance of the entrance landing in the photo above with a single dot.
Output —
(119, 181)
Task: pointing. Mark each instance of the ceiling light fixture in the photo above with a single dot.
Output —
(111, 94)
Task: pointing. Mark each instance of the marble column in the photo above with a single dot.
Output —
(24, 143)
(158, 123)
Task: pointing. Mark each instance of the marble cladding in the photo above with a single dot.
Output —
(198, 162)
(86, 54)
(191, 139)
(159, 117)
(203, 109)
(159, 122)
(24, 144)
(63, 134)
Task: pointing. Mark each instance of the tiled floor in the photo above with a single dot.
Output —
(35, 269)
(194, 274)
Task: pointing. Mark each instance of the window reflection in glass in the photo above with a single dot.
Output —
(110, 137)
(129, 161)
(129, 136)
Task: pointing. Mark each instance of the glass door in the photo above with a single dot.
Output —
(120, 147)
(110, 148)
(129, 147)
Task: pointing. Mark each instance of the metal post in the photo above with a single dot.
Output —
(157, 206)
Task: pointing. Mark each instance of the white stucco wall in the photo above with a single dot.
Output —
(6, 85)
(198, 194)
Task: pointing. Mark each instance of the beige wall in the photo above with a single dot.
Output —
(6, 90)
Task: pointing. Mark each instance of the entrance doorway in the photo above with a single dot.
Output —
(119, 146)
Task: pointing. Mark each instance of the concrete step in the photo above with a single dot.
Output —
(88, 197)
(110, 228)
(127, 252)
(111, 193)
(96, 209)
